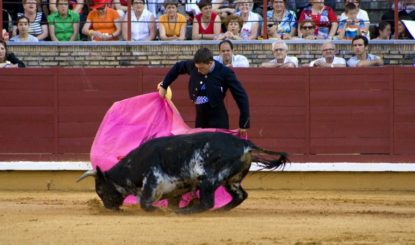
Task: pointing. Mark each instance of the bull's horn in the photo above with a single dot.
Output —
(86, 174)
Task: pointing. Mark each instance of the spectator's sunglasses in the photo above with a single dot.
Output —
(271, 24)
(308, 27)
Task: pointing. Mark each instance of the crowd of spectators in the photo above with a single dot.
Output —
(107, 20)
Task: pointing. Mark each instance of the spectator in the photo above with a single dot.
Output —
(361, 15)
(156, 7)
(75, 6)
(323, 16)
(233, 25)
(172, 24)
(384, 31)
(352, 26)
(227, 57)
(251, 20)
(207, 24)
(13, 7)
(389, 15)
(143, 26)
(282, 60)
(329, 59)
(7, 20)
(37, 20)
(362, 58)
(308, 28)
(23, 28)
(8, 60)
(64, 24)
(297, 5)
(410, 8)
(403, 32)
(282, 20)
(103, 23)
(224, 8)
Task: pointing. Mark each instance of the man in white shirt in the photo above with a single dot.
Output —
(362, 58)
(282, 60)
(227, 57)
(329, 59)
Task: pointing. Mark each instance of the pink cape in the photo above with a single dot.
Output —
(133, 121)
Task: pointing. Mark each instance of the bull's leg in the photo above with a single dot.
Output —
(233, 186)
(174, 203)
(238, 195)
(207, 199)
(148, 194)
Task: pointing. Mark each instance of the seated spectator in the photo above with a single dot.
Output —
(281, 19)
(297, 5)
(23, 30)
(329, 59)
(389, 15)
(207, 24)
(224, 8)
(37, 20)
(75, 5)
(410, 8)
(361, 15)
(143, 26)
(323, 16)
(227, 57)
(172, 24)
(352, 26)
(64, 24)
(282, 60)
(308, 28)
(403, 32)
(156, 7)
(7, 21)
(103, 23)
(383, 31)
(8, 60)
(233, 25)
(362, 58)
(251, 20)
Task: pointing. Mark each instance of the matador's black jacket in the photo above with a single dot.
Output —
(217, 82)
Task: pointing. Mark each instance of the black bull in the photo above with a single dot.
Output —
(168, 167)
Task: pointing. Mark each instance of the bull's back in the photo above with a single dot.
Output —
(174, 153)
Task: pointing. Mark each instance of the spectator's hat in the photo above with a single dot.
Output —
(99, 4)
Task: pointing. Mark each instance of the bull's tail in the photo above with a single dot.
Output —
(268, 159)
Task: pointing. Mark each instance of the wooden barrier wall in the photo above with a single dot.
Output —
(338, 114)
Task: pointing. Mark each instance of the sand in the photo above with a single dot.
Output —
(266, 217)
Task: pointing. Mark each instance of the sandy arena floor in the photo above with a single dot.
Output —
(266, 217)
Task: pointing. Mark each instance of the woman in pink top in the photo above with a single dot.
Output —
(207, 24)
(324, 17)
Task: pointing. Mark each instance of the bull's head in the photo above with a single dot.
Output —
(106, 189)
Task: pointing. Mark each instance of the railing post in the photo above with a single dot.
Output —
(128, 19)
(1, 18)
(396, 18)
(264, 19)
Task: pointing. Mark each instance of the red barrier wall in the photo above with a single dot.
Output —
(337, 114)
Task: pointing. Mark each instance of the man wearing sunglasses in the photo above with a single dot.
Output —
(329, 59)
(282, 60)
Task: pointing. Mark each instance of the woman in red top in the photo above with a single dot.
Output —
(324, 17)
(207, 24)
